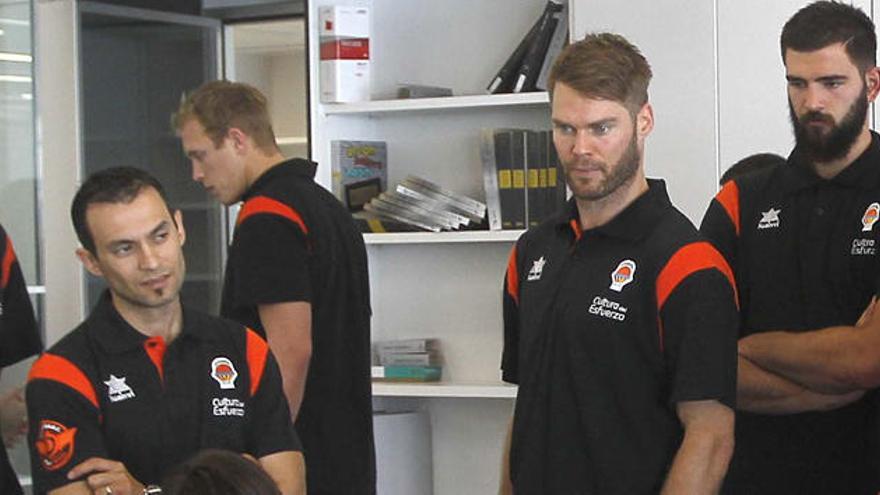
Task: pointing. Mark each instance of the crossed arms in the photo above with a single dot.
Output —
(784, 372)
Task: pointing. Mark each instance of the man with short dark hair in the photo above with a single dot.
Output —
(296, 273)
(749, 165)
(145, 383)
(619, 320)
(803, 245)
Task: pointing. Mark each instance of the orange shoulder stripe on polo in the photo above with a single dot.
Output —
(728, 196)
(513, 276)
(61, 370)
(257, 352)
(687, 260)
(6, 267)
(262, 204)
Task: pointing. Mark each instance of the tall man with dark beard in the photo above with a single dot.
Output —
(619, 320)
(802, 242)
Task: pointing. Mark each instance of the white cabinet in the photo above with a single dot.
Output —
(445, 285)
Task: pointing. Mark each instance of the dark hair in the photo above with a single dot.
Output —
(219, 472)
(750, 164)
(222, 105)
(825, 23)
(604, 66)
(113, 185)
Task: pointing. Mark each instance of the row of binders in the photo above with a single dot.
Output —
(528, 67)
(522, 177)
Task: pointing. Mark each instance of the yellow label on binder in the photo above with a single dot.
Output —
(519, 179)
(504, 180)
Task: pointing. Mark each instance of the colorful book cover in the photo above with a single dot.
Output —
(360, 171)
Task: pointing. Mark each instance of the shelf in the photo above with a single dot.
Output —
(444, 389)
(436, 104)
(443, 237)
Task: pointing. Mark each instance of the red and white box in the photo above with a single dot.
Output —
(345, 70)
(345, 53)
(345, 81)
(343, 21)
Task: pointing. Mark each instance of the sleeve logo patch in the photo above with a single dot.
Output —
(224, 372)
(622, 275)
(55, 444)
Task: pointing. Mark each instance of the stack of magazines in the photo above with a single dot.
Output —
(407, 360)
(421, 204)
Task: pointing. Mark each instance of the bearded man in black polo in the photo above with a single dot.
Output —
(619, 320)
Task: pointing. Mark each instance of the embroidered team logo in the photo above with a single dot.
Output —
(537, 269)
(224, 372)
(118, 390)
(54, 444)
(622, 275)
(870, 217)
(769, 219)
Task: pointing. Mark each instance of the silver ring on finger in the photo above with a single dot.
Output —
(108, 490)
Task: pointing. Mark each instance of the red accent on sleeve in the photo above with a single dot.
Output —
(728, 197)
(686, 261)
(61, 370)
(155, 348)
(257, 353)
(262, 204)
(8, 260)
(513, 277)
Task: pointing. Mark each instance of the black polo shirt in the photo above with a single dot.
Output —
(294, 241)
(804, 252)
(19, 335)
(605, 331)
(107, 390)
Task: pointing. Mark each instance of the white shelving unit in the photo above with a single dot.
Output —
(430, 105)
(442, 237)
(441, 285)
(450, 390)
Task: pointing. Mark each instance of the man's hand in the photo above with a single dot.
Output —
(13, 416)
(106, 477)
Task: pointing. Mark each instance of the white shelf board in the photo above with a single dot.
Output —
(282, 140)
(443, 237)
(445, 389)
(436, 104)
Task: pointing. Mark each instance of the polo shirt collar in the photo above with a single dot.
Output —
(294, 167)
(633, 223)
(862, 173)
(116, 335)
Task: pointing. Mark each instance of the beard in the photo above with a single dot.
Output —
(823, 147)
(617, 175)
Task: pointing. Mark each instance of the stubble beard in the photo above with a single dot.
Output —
(622, 173)
(824, 147)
